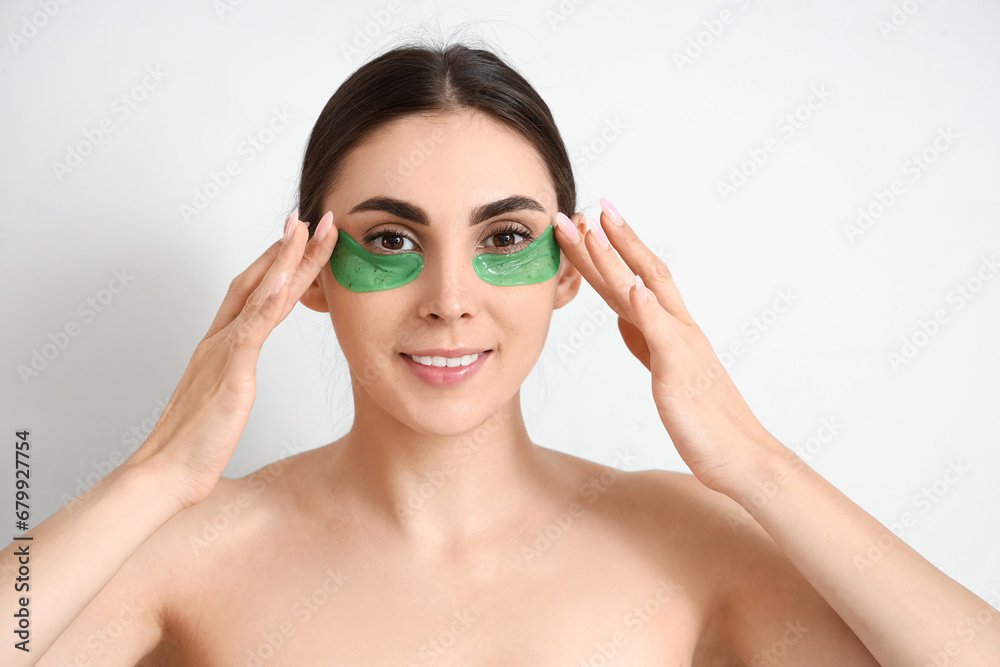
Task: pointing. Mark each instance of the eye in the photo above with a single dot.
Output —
(504, 238)
(391, 240)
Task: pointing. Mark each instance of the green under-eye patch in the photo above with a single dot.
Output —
(534, 264)
(361, 271)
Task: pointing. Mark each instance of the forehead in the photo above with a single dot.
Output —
(444, 163)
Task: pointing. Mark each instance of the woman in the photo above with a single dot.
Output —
(436, 531)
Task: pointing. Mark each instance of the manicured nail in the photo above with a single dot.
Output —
(293, 220)
(612, 212)
(278, 283)
(323, 228)
(640, 286)
(567, 226)
(602, 239)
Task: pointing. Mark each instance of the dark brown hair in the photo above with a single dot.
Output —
(416, 78)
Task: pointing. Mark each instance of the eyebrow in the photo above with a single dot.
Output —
(480, 214)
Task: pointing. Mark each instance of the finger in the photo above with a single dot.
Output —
(635, 341)
(575, 249)
(657, 325)
(241, 287)
(252, 327)
(618, 278)
(640, 260)
(317, 254)
(265, 306)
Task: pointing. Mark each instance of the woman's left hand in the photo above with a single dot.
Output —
(709, 422)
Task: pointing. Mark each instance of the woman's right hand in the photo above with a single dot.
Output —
(202, 422)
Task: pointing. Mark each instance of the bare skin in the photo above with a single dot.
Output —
(436, 531)
(642, 569)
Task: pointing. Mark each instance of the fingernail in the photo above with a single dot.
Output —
(640, 286)
(567, 227)
(290, 225)
(602, 239)
(323, 228)
(612, 212)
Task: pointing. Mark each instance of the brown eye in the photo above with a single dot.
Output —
(508, 239)
(395, 245)
(388, 240)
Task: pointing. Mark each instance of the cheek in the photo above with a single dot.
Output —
(363, 335)
(524, 315)
(369, 321)
(353, 318)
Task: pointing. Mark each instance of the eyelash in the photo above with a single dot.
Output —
(505, 228)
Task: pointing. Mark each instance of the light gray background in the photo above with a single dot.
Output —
(659, 138)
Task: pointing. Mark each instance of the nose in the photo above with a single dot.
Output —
(449, 284)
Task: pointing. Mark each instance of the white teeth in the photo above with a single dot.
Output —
(445, 361)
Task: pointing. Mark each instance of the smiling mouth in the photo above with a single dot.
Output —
(446, 362)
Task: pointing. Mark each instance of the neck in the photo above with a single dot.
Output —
(440, 489)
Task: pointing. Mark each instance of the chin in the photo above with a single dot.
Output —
(448, 417)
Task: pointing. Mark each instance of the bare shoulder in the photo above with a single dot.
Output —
(701, 532)
(676, 502)
(130, 621)
(214, 539)
(759, 606)
(236, 512)
(671, 518)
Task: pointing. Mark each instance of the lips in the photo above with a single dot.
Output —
(445, 376)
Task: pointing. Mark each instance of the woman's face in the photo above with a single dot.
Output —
(443, 169)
